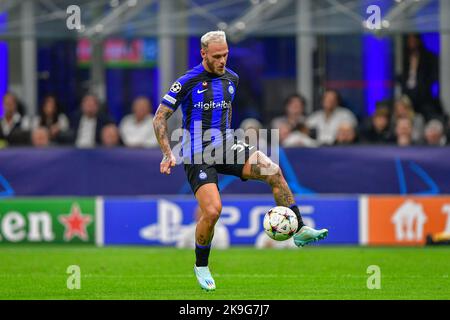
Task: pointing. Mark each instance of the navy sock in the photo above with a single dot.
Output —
(202, 255)
(299, 216)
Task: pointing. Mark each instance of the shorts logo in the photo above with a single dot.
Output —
(202, 175)
(176, 87)
(231, 89)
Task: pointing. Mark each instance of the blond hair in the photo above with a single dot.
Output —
(212, 36)
(407, 103)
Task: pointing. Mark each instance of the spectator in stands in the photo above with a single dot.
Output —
(10, 123)
(346, 135)
(252, 126)
(40, 137)
(110, 136)
(403, 109)
(299, 137)
(136, 129)
(420, 72)
(378, 130)
(88, 123)
(284, 130)
(51, 117)
(435, 134)
(404, 132)
(294, 108)
(221, 239)
(327, 121)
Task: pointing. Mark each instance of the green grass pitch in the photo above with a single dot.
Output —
(315, 272)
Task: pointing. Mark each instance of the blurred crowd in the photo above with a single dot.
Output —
(413, 118)
(89, 127)
(393, 123)
(396, 122)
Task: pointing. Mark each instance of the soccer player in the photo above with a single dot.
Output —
(205, 94)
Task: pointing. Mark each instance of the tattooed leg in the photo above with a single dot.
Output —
(260, 167)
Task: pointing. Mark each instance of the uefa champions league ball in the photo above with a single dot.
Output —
(280, 223)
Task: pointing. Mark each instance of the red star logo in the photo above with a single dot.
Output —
(75, 223)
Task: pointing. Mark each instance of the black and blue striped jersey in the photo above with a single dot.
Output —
(205, 100)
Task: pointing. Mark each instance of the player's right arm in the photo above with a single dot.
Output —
(162, 134)
(169, 104)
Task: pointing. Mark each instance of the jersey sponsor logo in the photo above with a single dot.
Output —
(201, 91)
(176, 87)
(170, 99)
(213, 105)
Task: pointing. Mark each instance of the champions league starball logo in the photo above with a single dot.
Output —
(176, 87)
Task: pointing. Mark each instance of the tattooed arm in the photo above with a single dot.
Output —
(161, 131)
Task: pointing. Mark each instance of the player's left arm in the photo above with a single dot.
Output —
(236, 83)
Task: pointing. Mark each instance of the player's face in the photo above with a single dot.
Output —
(215, 57)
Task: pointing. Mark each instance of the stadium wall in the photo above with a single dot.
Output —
(131, 172)
(160, 221)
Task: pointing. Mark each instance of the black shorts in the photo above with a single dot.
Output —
(200, 174)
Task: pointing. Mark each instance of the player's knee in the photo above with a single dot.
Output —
(212, 211)
(269, 170)
(274, 174)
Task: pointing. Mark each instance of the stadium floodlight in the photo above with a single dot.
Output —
(114, 3)
(254, 17)
(123, 11)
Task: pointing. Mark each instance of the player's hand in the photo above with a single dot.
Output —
(167, 162)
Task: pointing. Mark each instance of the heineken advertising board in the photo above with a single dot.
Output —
(49, 220)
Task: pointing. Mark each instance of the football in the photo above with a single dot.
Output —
(280, 223)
